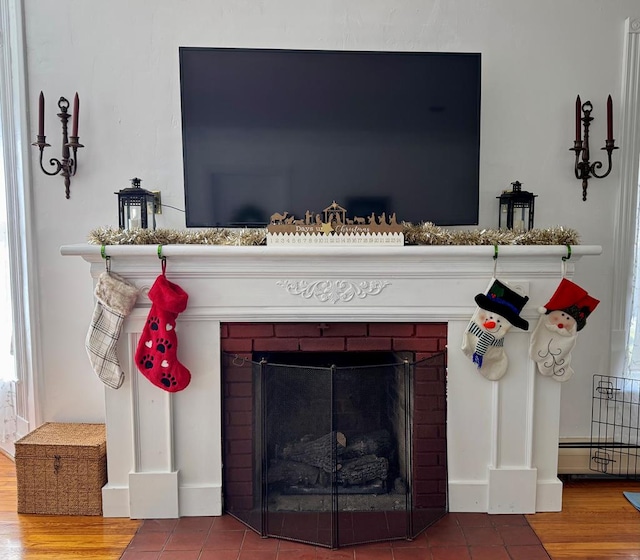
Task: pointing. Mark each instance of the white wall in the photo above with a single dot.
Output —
(122, 58)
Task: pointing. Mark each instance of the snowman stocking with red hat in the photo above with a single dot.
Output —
(483, 341)
(557, 330)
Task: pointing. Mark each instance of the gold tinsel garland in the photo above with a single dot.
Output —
(420, 234)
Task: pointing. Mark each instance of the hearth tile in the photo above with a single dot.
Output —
(157, 525)
(419, 542)
(342, 554)
(500, 520)
(180, 555)
(253, 541)
(297, 554)
(518, 535)
(187, 540)
(482, 536)
(450, 553)
(224, 540)
(257, 555)
(528, 552)
(193, 524)
(139, 555)
(227, 523)
(445, 536)
(411, 554)
(365, 553)
(148, 541)
(219, 555)
(473, 519)
(449, 520)
(489, 553)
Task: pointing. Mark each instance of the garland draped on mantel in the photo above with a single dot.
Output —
(420, 234)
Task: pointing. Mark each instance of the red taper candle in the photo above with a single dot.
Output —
(609, 119)
(578, 119)
(41, 115)
(76, 114)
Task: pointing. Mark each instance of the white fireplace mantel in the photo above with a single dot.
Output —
(165, 450)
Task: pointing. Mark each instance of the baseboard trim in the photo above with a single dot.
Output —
(574, 456)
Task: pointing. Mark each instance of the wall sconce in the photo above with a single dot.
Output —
(518, 207)
(68, 166)
(585, 169)
(135, 205)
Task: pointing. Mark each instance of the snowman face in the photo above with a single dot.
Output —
(492, 323)
(561, 323)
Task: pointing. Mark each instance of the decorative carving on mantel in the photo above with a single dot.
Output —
(634, 25)
(333, 291)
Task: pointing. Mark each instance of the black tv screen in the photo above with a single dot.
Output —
(268, 131)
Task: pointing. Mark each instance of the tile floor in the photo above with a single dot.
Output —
(457, 536)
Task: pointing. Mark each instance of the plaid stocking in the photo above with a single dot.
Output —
(115, 299)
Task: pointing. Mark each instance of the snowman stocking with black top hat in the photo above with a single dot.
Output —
(483, 341)
(557, 330)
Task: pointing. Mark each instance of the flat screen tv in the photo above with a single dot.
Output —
(268, 131)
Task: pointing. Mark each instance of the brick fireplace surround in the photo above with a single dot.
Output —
(164, 451)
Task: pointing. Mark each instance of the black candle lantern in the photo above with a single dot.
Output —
(516, 208)
(136, 207)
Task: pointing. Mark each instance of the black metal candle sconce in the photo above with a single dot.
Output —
(584, 168)
(68, 165)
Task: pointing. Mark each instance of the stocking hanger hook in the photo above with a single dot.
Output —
(162, 258)
(107, 258)
(565, 259)
(495, 259)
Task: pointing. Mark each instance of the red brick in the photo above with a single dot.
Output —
(432, 330)
(240, 488)
(250, 330)
(427, 459)
(238, 433)
(426, 432)
(238, 403)
(239, 475)
(323, 344)
(240, 447)
(419, 356)
(391, 329)
(275, 344)
(239, 461)
(429, 389)
(224, 331)
(238, 419)
(416, 344)
(425, 486)
(345, 329)
(240, 389)
(236, 345)
(422, 417)
(368, 344)
(430, 473)
(442, 344)
(238, 375)
(295, 330)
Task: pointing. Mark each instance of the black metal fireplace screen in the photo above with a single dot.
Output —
(335, 449)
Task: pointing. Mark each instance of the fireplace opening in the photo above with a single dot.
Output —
(335, 448)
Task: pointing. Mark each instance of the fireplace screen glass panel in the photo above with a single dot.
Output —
(331, 447)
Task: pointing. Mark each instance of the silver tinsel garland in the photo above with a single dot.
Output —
(420, 234)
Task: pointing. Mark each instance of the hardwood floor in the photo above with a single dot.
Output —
(35, 537)
(597, 523)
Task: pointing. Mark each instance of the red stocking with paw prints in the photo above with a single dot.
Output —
(156, 355)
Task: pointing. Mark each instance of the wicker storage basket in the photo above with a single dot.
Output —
(61, 469)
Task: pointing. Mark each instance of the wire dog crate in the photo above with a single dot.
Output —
(615, 426)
